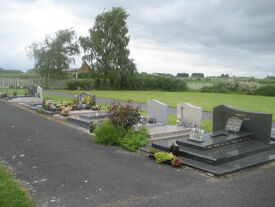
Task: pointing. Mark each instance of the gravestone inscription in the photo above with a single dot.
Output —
(259, 124)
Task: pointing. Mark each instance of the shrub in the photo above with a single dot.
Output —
(267, 90)
(82, 84)
(107, 133)
(134, 139)
(123, 116)
(93, 126)
(14, 93)
(162, 157)
(249, 87)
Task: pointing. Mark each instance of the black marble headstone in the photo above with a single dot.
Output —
(259, 124)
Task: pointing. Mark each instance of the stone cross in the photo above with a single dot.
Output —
(157, 110)
(188, 115)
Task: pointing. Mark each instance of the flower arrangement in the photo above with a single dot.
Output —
(164, 157)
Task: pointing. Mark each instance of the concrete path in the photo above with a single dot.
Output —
(64, 168)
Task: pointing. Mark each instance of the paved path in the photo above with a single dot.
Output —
(205, 115)
(66, 169)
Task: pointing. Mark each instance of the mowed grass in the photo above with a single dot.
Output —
(19, 91)
(11, 194)
(206, 100)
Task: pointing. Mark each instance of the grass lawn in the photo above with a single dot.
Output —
(206, 100)
(10, 91)
(11, 194)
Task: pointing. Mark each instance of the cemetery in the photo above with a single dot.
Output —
(239, 139)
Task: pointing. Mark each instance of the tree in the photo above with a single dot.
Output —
(106, 48)
(55, 54)
(198, 75)
(185, 75)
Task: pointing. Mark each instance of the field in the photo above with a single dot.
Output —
(11, 194)
(206, 100)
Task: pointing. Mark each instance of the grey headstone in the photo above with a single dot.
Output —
(188, 115)
(157, 110)
(82, 96)
(259, 124)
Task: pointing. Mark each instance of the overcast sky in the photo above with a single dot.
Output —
(210, 36)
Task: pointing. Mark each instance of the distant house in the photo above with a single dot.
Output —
(83, 69)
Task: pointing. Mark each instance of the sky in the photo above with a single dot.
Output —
(236, 37)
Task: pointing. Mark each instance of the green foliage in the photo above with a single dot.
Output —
(3, 71)
(197, 75)
(107, 133)
(82, 84)
(184, 75)
(123, 116)
(144, 81)
(267, 90)
(134, 139)
(93, 126)
(106, 48)
(54, 54)
(11, 195)
(162, 157)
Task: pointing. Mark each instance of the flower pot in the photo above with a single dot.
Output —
(151, 156)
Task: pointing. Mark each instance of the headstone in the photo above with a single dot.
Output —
(259, 124)
(85, 94)
(188, 115)
(157, 110)
(39, 92)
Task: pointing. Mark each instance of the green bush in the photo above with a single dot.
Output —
(267, 90)
(107, 134)
(162, 157)
(82, 84)
(134, 139)
(144, 81)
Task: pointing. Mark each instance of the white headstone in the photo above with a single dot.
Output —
(188, 115)
(39, 92)
(157, 110)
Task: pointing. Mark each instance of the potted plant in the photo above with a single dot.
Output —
(164, 157)
(176, 162)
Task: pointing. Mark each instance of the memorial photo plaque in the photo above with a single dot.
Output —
(196, 135)
(233, 125)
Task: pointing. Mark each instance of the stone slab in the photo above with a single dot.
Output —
(259, 124)
(215, 142)
(219, 156)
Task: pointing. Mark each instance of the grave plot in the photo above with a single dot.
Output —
(32, 99)
(187, 116)
(240, 139)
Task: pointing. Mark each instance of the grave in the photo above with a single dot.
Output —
(240, 139)
(85, 119)
(160, 130)
(83, 95)
(188, 115)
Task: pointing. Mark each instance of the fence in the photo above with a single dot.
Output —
(24, 83)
